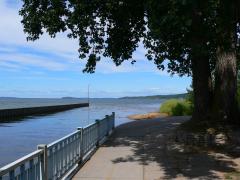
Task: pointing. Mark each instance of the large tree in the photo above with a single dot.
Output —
(179, 28)
(207, 32)
(188, 33)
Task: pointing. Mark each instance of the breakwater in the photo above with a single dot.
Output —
(28, 111)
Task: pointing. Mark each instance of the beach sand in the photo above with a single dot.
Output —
(151, 115)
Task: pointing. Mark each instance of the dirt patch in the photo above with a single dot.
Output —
(152, 115)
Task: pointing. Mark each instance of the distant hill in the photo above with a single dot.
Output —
(8, 97)
(170, 96)
(70, 98)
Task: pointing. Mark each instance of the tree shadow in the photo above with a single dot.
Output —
(151, 145)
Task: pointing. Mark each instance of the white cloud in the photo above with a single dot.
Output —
(12, 33)
(12, 39)
(37, 58)
(9, 65)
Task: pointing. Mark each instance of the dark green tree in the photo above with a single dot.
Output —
(189, 34)
(207, 32)
(180, 29)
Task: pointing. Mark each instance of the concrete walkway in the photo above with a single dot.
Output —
(140, 150)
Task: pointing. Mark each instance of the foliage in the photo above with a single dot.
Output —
(190, 95)
(114, 28)
(103, 27)
(176, 107)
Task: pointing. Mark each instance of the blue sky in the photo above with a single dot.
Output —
(51, 68)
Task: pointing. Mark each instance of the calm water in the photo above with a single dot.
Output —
(22, 137)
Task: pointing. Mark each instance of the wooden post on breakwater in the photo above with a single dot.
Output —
(28, 111)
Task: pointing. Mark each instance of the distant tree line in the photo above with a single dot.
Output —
(175, 96)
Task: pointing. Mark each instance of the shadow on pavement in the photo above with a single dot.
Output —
(150, 144)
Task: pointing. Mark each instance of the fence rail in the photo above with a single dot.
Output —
(53, 161)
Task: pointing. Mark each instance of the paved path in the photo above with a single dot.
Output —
(140, 151)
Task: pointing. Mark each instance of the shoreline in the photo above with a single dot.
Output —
(147, 116)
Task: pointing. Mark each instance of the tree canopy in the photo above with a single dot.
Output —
(114, 29)
(193, 35)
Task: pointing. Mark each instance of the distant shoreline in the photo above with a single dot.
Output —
(183, 95)
(167, 96)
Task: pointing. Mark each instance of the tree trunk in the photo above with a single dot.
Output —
(225, 99)
(201, 73)
(202, 87)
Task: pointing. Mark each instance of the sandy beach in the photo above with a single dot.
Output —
(151, 115)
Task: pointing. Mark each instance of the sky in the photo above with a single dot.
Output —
(50, 68)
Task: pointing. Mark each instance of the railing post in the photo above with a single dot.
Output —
(81, 144)
(98, 132)
(22, 172)
(12, 175)
(44, 162)
(113, 120)
(108, 120)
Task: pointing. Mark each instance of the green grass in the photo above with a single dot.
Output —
(176, 107)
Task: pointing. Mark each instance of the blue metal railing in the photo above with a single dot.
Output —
(53, 161)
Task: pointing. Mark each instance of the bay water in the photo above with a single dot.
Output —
(21, 136)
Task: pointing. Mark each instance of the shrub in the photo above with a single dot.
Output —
(178, 110)
(176, 107)
(166, 106)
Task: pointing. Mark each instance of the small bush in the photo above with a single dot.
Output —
(178, 110)
(176, 107)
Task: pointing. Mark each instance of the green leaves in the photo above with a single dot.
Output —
(169, 29)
